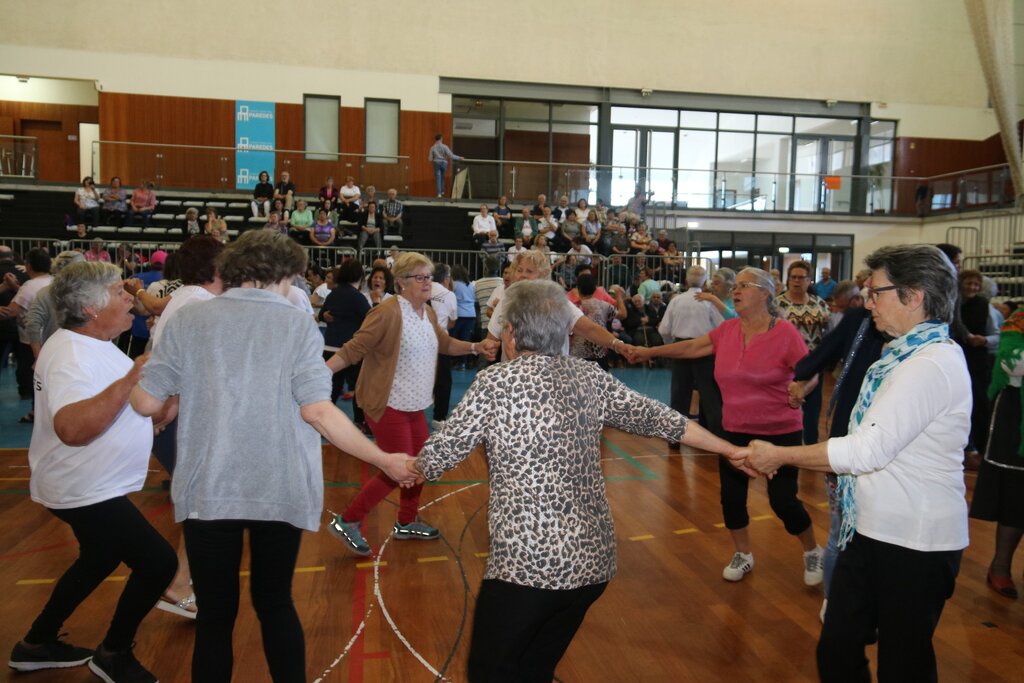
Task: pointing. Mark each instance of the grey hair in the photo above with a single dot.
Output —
(79, 286)
(920, 267)
(65, 259)
(696, 276)
(540, 261)
(538, 312)
(766, 282)
(728, 276)
(845, 288)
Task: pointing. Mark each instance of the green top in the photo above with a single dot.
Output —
(302, 219)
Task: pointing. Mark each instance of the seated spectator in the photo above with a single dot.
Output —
(370, 226)
(391, 210)
(216, 227)
(618, 241)
(97, 252)
(516, 248)
(662, 239)
(656, 308)
(285, 191)
(541, 244)
(651, 261)
(318, 285)
(639, 325)
(87, 205)
(580, 250)
(392, 255)
(349, 197)
(262, 195)
(672, 262)
(191, 225)
(381, 285)
(282, 212)
(115, 203)
(639, 239)
(131, 261)
(328, 196)
(526, 226)
(538, 208)
(648, 285)
(492, 247)
(571, 226)
(565, 272)
(547, 225)
(142, 203)
(503, 217)
(601, 313)
(592, 232)
(582, 209)
(562, 212)
(483, 224)
(300, 221)
(274, 223)
(618, 273)
(322, 232)
(369, 196)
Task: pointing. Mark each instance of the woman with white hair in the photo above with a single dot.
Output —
(755, 355)
(89, 450)
(552, 547)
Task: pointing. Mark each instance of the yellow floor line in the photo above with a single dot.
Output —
(116, 579)
(720, 525)
(369, 564)
(691, 530)
(642, 537)
(306, 570)
(34, 582)
(481, 555)
(761, 518)
(436, 558)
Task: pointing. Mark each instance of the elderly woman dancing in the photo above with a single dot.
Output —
(901, 483)
(249, 456)
(398, 344)
(754, 359)
(552, 548)
(89, 450)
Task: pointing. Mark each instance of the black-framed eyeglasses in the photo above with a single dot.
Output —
(420, 278)
(873, 292)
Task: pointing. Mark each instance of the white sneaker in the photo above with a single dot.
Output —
(739, 567)
(824, 606)
(437, 424)
(814, 566)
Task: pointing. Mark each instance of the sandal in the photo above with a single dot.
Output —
(186, 607)
(1002, 585)
(27, 418)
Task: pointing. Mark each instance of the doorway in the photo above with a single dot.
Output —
(52, 150)
(643, 157)
(822, 167)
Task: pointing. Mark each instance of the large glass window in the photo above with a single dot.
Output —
(637, 116)
(696, 176)
(382, 131)
(321, 126)
(734, 183)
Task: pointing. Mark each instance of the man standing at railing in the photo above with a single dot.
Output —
(439, 155)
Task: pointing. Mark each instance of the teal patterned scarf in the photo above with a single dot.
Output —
(897, 351)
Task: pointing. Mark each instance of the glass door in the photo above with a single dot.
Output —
(822, 168)
(643, 157)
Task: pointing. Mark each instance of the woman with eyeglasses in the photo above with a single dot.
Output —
(397, 344)
(755, 354)
(901, 481)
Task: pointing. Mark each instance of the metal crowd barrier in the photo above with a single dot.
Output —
(1006, 270)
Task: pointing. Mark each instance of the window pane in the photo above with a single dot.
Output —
(573, 145)
(735, 162)
(321, 126)
(883, 129)
(526, 141)
(645, 117)
(475, 128)
(526, 110)
(584, 113)
(696, 178)
(736, 121)
(625, 159)
(382, 132)
(698, 119)
(772, 169)
(826, 126)
(474, 106)
(774, 124)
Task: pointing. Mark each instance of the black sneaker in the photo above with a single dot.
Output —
(119, 667)
(55, 655)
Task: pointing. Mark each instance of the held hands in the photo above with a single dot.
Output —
(635, 354)
(489, 348)
(796, 394)
(762, 457)
(399, 467)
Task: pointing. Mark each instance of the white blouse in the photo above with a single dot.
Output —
(413, 387)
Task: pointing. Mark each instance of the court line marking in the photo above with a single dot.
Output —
(481, 555)
(435, 558)
(642, 537)
(691, 530)
(647, 474)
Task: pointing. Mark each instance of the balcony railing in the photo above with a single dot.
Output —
(18, 154)
(186, 167)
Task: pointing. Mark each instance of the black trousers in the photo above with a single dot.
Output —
(109, 533)
(782, 488)
(520, 633)
(900, 592)
(349, 376)
(23, 373)
(442, 387)
(214, 550)
(697, 373)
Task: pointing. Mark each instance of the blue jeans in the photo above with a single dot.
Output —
(812, 413)
(440, 168)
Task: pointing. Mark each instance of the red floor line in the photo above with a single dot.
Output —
(358, 655)
(43, 549)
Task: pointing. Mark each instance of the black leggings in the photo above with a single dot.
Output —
(108, 534)
(214, 554)
(520, 633)
(782, 488)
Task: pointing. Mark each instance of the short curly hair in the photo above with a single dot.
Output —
(263, 257)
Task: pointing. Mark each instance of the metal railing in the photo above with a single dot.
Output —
(1006, 270)
(193, 167)
(18, 154)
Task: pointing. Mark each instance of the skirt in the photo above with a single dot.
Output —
(999, 492)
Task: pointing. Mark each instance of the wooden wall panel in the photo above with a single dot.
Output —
(57, 156)
(416, 134)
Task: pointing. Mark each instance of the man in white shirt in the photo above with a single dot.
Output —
(446, 306)
(687, 318)
(515, 249)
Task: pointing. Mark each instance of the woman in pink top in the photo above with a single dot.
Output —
(755, 354)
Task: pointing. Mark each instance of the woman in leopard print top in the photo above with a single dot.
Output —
(552, 547)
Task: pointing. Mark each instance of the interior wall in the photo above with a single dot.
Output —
(914, 54)
(55, 126)
(49, 91)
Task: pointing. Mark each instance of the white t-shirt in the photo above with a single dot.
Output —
(24, 298)
(513, 252)
(483, 225)
(496, 295)
(444, 303)
(350, 192)
(322, 291)
(180, 297)
(299, 299)
(73, 367)
(497, 322)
